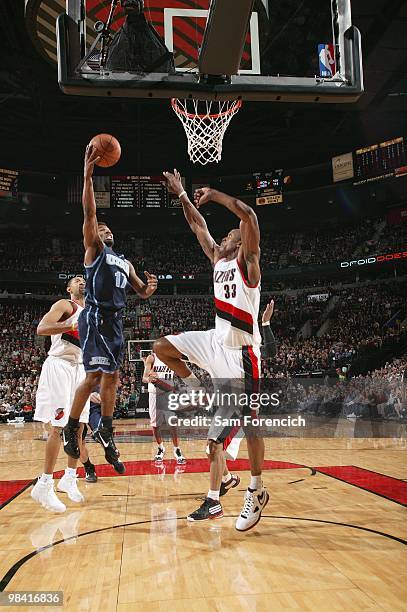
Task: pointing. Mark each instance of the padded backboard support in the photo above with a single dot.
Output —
(345, 86)
(222, 47)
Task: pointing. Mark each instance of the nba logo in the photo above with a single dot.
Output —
(326, 54)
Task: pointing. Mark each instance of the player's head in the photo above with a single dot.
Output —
(230, 244)
(105, 234)
(76, 287)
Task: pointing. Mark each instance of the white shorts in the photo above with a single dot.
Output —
(58, 382)
(223, 364)
(206, 351)
(156, 412)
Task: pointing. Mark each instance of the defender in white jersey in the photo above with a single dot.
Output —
(231, 351)
(61, 373)
(160, 379)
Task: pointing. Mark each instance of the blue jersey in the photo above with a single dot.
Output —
(106, 281)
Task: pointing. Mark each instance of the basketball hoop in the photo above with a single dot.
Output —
(205, 123)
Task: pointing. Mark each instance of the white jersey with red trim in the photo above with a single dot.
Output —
(67, 346)
(160, 371)
(237, 306)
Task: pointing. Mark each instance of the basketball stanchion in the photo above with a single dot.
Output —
(205, 123)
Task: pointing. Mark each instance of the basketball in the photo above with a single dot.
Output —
(108, 148)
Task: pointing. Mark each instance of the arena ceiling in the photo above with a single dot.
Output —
(44, 130)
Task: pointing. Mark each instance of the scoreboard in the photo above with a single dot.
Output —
(379, 161)
(269, 188)
(141, 192)
(8, 183)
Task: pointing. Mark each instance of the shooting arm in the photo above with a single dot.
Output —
(91, 240)
(249, 254)
(198, 225)
(51, 323)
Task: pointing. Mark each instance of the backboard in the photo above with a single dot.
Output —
(294, 51)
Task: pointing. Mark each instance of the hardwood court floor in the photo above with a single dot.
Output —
(322, 544)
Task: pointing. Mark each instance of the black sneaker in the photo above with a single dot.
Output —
(230, 484)
(210, 509)
(90, 474)
(104, 436)
(119, 466)
(70, 441)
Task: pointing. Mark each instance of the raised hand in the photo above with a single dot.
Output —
(268, 312)
(174, 183)
(203, 196)
(91, 157)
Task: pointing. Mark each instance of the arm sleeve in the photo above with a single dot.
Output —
(269, 346)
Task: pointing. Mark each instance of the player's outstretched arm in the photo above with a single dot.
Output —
(249, 253)
(269, 346)
(53, 322)
(144, 290)
(148, 366)
(194, 218)
(91, 240)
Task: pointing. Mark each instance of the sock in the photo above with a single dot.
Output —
(161, 446)
(255, 483)
(227, 477)
(46, 478)
(70, 471)
(107, 421)
(192, 381)
(213, 495)
(88, 464)
(73, 422)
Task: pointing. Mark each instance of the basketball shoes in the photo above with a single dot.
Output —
(104, 436)
(254, 504)
(159, 456)
(210, 509)
(179, 456)
(68, 484)
(44, 494)
(233, 482)
(70, 441)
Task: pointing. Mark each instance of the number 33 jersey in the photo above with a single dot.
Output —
(237, 306)
(106, 281)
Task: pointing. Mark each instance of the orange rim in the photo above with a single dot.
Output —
(235, 106)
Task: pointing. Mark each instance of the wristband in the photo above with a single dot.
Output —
(182, 193)
(266, 323)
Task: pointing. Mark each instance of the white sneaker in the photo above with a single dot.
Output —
(179, 456)
(44, 493)
(255, 502)
(160, 454)
(68, 485)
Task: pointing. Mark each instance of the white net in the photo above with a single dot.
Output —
(205, 123)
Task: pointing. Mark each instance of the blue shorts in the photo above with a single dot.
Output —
(102, 341)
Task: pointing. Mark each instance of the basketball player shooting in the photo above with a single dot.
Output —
(100, 324)
(231, 350)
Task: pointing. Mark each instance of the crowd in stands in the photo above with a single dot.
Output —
(361, 321)
(47, 252)
(379, 394)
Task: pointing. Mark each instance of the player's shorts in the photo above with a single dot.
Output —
(205, 350)
(240, 368)
(157, 407)
(101, 338)
(58, 382)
